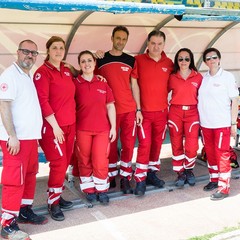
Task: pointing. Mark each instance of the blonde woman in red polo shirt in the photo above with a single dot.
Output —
(96, 128)
(56, 91)
(183, 118)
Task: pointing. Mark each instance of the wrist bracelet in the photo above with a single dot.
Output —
(234, 123)
(138, 110)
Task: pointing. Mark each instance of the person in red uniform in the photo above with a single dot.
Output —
(20, 127)
(96, 128)
(152, 72)
(183, 118)
(56, 91)
(116, 66)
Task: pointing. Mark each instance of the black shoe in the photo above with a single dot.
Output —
(234, 164)
(190, 178)
(210, 186)
(181, 178)
(65, 204)
(26, 215)
(56, 212)
(152, 179)
(218, 196)
(91, 197)
(103, 198)
(12, 231)
(112, 183)
(125, 186)
(140, 188)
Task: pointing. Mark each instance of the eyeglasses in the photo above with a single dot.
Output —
(211, 57)
(184, 59)
(27, 52)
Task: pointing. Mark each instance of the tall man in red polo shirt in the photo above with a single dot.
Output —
(116, 66)
(152, 72)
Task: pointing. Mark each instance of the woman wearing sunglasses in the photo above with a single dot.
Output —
(183, 118)
(218, 109)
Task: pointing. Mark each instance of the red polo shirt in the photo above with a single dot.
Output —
(56, 93)
(185, 92)
(153, 81)
(91, 99)
(117, 71)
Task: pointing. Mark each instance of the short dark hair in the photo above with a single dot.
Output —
(120, 28)
(26, 40)
(157, 33)
(85, 52)
(208, 50)
(176, 65)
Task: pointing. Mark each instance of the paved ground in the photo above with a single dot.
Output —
(163, 214)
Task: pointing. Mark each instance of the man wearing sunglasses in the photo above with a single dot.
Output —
(218, 109)
(20, 127)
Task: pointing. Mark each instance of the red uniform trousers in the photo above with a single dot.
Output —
(93, 151)
(18, 178)
(59, 156)
(126, 125)
(151, 136)
(184, 132)
(217, 144)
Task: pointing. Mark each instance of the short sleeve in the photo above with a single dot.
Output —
(7, 86)
(134, 72)
(232, 86)
(110, 97)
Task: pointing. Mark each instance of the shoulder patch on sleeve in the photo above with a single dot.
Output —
(4, 87)
(37, 76)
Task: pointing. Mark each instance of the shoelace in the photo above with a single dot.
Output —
(156, 179)
(14, 225)
(30, 213)
(190, 174)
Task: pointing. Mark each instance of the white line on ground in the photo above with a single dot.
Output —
(108, 225)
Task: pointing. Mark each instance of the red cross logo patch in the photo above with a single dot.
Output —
(4, 87)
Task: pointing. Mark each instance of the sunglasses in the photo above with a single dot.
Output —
(184, 59)
(211, 57)
(27, 52)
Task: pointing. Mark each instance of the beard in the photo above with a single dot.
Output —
(26, 63)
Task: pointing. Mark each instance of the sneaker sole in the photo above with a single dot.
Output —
(66, 207)
(139, 194)
(93, 201)
(6, 237)
(33, 223)
(208, 190)
(1, 237)
(191, 184)
(56, 219)
(221, 198)
(104, 203)
(181, 185)
(158, 186)
(129, 191)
